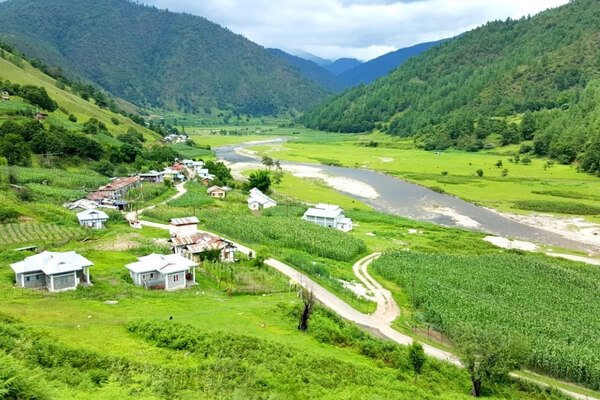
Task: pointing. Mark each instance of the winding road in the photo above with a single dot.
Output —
(378, 323)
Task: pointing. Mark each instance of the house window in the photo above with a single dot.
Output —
(27, 278)
(37, 277)
(151, 275)
(175, 278)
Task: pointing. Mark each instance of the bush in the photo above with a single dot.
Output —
(8, 214)
(559, 207)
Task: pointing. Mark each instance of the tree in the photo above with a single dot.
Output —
(308, 301)
(517, 159)
(504, 173)
(260, 180)
(528, 126)
(488, 357)
(499, 164)
(479, 173)
(417, 358)
(15, 150)
(268, 162)
(526, 161)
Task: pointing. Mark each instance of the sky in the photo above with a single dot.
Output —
(362, 29)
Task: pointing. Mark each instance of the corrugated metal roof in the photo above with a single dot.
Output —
(165, 264)
(184, 221)
(51, 263)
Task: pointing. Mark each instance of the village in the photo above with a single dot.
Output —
(189, 246)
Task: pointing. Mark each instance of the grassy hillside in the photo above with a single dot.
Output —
(156, 58)
(473, 91)
(69, 102)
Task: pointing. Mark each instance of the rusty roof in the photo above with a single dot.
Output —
(184, 221)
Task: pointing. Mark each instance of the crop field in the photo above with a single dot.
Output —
(36, 234)
(552, 305)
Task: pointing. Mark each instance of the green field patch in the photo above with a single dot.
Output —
(567, 194)
(551, 304)
(557, 207)
(191, 152)
(30, 234)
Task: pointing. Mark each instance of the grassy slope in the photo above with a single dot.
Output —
(82, 109)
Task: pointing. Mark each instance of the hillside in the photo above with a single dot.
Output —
(156, 58)
(381, 66)
(479, 86)
(311, 70)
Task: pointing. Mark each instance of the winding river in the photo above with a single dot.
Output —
(406, 199)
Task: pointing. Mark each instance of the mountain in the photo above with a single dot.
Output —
(156, 58)
(310, 57)
(311, 70)
(484, 83)
(342, 65)
(381, 66)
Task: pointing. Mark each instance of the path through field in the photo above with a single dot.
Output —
(379, 323)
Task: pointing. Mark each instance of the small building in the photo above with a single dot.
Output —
(328, 216)
(158, 271)
(258, 200)
(94, 219)
(115, 190)
(217, 192)
(56, 272)
(40, 116)
(207, 180)
(199, 246)
(152, 176)
(173, 175)
(183, 226)
(81, 205)
(188, 163)
(4, 96)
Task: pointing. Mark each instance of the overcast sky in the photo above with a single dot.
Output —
(362, 29)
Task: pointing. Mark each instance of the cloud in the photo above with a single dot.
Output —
(353, 28)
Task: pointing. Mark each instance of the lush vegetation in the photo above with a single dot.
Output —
(506, 82)
(558, 207)
(549, 305)
(182, 63)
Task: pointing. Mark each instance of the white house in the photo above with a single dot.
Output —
(217, 192)
(183, 226)
(94, 219)
(258, 200)
(57, 272)
(329, 216)
(152, 176)
(158, 271)
(196, 247)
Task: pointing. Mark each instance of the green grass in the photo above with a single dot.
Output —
(550, 304)
(558, 207)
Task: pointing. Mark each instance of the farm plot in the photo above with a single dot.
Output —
(35, 234)
(552, 305)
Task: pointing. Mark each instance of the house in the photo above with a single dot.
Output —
(258, 200)
(207, 180)
(197, 247)
(217, 192)
(115, 190)
(56, 272)
(173, 175)
(158, 271)
(94, 219)
(152, 176)
(40, 116)
(329, 216)
(81, 205)
(187, 163)
(183, 226)
(4, 96)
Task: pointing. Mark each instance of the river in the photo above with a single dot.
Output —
(399, 197)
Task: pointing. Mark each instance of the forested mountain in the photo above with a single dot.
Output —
(542, 71)
(310, 70)
(381, 66)
(154, 57)
(342, 65)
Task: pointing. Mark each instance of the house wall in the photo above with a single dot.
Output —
(326, 222)
(148, 279)
(65, 282)
(36, 280)
(175, 281)
(94, 223)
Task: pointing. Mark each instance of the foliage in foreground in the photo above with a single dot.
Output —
(552, 305)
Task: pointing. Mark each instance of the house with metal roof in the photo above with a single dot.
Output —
(115, 190)
(152, 176)
(258, 200)
(203, 245)
(217, 192)
(328, 216)
(94, 219)
(159, 271)
(183, 226)
(54, 271)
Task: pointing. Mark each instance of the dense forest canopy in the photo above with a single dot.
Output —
(531, 79)
(156, 58)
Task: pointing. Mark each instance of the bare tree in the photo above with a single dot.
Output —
(308, 299)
